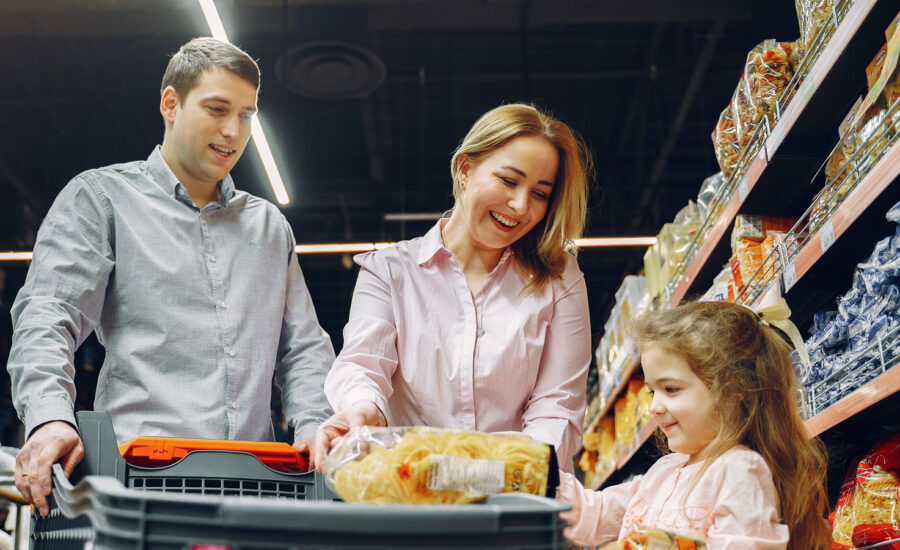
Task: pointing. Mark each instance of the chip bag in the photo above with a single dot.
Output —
(418, 465)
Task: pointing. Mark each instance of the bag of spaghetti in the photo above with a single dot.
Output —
(419, 465)
(648, 538)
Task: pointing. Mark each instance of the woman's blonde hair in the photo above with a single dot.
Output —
(542, 251)
(748, 370)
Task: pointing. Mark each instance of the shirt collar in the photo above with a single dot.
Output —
(165, 178)
(433, 242)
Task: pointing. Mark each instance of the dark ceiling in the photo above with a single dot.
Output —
(642, 80)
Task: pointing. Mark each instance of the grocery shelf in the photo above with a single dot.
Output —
(711, 242)
(878, 545)
(854, 18)
(859, 400)
(636, 443)
(631, 364)
(798, 143)
(869, 189)
(639, 440)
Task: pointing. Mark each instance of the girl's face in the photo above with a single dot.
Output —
(682, 404)
(507, 192)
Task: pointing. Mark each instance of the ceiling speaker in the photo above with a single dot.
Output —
(331, 71)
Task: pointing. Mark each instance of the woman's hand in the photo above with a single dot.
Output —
(361, 413)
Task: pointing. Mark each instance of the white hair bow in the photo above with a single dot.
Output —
(773, 310)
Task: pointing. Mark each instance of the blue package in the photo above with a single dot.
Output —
(822, 318)
(893, 215)
(849, 308)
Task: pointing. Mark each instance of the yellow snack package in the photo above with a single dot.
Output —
(418, 465)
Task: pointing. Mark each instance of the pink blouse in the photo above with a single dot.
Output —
(412, 346)
(734, 505)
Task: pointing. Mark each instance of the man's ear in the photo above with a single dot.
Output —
(168, 104)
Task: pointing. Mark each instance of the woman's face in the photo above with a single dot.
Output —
(507, 192)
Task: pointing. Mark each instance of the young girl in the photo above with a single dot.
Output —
(743, 472)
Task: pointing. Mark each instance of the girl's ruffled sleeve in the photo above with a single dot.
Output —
(596, 516)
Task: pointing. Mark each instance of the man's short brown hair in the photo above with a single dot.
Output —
(202, 54)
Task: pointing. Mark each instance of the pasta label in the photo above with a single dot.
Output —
(476, 476)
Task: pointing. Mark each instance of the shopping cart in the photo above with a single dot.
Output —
(229, 500)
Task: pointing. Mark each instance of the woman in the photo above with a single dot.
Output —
(482, 323)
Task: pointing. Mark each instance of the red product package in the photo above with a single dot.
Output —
(868, 509)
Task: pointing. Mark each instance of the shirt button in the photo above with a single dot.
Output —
(231, 353)
(234, 404)
(222, 305)
(212, 259)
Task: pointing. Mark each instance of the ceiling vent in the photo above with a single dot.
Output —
(331, 71)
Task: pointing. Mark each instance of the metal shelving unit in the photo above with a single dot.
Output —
(793, 150)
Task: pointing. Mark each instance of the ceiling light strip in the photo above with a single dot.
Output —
(412, 216)
(615, 241)
(256, 130)
(15, 256)
(344, 248)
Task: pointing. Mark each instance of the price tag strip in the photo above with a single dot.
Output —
(826, 236)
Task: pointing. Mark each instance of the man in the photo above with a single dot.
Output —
(192, 287)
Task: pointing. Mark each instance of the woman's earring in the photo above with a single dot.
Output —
(462, 185)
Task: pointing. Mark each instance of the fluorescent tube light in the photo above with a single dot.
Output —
(15, 256)
(615, 241)
(344, 248)
(256, 130)
(412, 216)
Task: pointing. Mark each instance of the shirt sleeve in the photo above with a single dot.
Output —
(305, 354)
(745, 515)
(596, 516)
(555, 410)
(60, 303)
(364, 368)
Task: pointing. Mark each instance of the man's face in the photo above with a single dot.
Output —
(207, 130)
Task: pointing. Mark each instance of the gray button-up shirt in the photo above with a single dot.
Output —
(197, 310)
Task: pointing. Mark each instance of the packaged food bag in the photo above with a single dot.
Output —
(767, 72)
(742, 114)
(836, 169)
(708, 196)
(873, 123)
(418, 465)
(649, 538)
(607, 450)
(813, 16)
(725, 142)
(757, 228)
(796, 51)
(868, 509)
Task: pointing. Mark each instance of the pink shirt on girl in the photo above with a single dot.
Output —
(734, 505)
(412, 346)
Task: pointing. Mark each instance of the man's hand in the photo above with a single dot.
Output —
(52, 442)
(361, 413)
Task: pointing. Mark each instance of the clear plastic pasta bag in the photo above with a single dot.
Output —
(649, 538)
(725, 142)
(868, 509)
(767, 72)
(419, 465)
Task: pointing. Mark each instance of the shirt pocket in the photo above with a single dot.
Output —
(502, 356)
